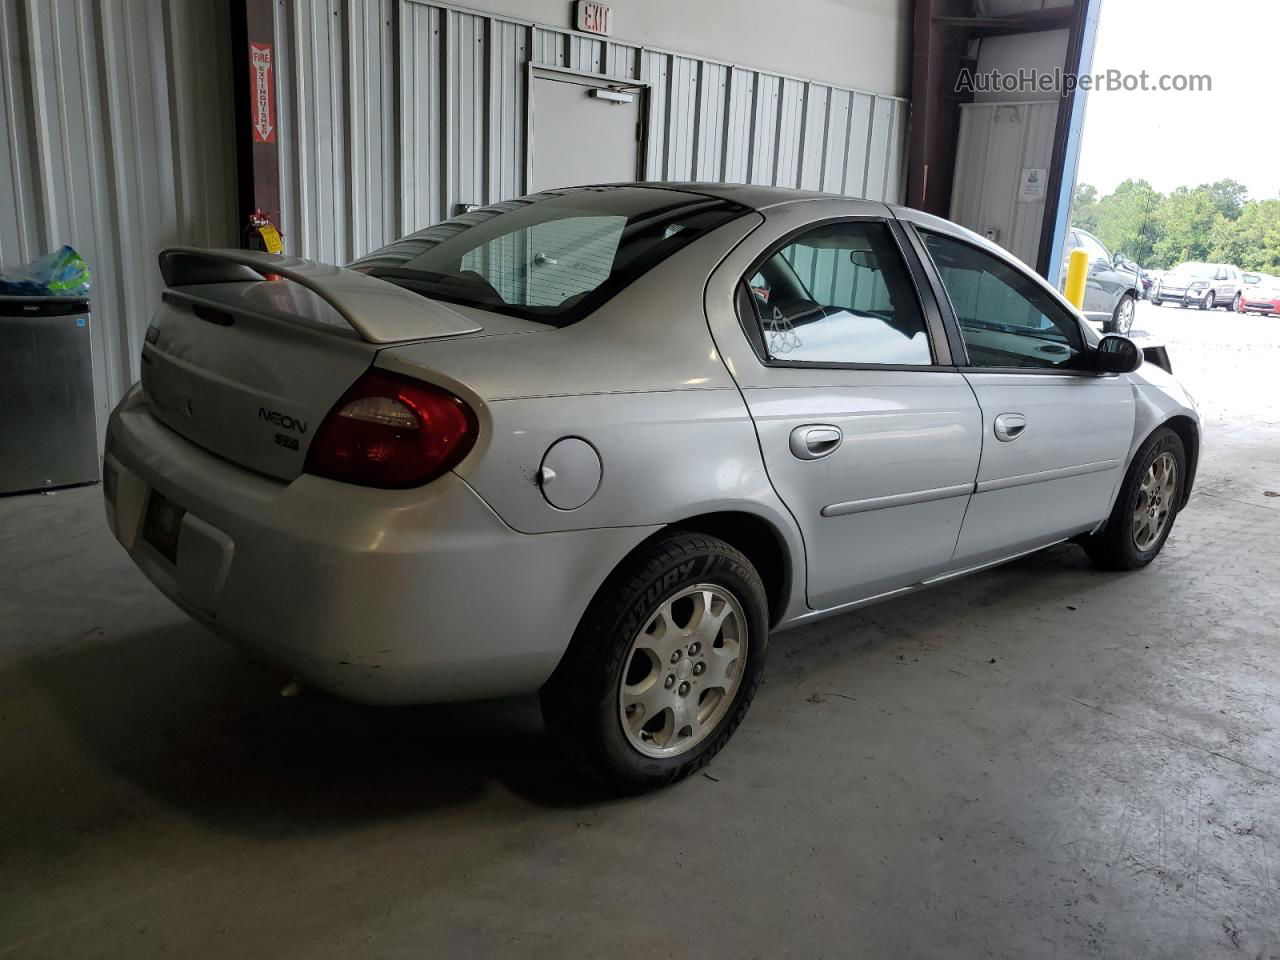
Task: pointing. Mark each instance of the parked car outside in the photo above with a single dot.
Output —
(1151, 280)
(601, 442)
(1146, 280)
(1112, 285)
(1261, 294)
(1203, 285)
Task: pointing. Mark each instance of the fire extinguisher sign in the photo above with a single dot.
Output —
(263, 87)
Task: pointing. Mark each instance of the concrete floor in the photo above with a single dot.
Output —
(1039, 761)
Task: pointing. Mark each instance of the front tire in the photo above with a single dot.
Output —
(1146, 508)
(664, 664)
(1207, 303)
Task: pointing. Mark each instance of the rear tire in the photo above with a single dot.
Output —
(647, 692)
(1121, 321)
(1235, 303)
(1146, 508)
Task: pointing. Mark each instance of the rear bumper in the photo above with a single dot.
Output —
(379, 596)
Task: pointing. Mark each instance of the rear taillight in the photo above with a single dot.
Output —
(390, 431)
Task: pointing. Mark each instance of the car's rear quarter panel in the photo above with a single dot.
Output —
(641, 381)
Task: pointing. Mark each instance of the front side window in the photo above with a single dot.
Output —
(1095, 249)
(1005, 317)
(839, 293)
(552, 257)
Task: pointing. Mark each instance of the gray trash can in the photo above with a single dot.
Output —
(48, 434)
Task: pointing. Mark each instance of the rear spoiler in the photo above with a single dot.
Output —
(379, 311)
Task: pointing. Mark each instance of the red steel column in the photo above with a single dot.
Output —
(258, 156)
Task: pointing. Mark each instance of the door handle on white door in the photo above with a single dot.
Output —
(814, 441)
(1010, 426)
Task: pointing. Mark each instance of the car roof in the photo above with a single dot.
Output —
(753, 196)
(760, 197)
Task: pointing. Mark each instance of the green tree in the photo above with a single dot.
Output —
(1128, 220)
(1186, 218)
(1216, 222)
(1228, 196)
(1084, 208)
(1251, 242)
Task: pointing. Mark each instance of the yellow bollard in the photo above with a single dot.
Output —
(1077, 270)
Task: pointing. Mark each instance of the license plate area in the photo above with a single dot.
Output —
(162, 525)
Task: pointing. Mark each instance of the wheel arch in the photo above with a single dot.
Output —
(1189, 433)
(759, 539)
(761, 542)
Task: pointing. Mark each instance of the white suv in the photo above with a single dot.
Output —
(1205, 285)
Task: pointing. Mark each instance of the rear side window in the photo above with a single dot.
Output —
(839, 293)
(552, 257)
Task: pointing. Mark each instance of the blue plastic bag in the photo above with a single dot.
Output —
(63, 273)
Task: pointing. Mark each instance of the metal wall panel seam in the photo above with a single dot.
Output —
(356, 127)
(13, 84)
(43, 181)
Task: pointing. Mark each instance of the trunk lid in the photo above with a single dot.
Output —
(247, 367)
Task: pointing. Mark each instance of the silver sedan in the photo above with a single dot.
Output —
(601, 442)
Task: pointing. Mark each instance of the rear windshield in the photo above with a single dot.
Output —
(552, 257)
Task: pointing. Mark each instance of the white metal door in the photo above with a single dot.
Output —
(583, 131)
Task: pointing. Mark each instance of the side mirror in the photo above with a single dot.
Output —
(1117, 355)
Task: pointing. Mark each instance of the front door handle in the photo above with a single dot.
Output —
(1010, 426)
(815, 441)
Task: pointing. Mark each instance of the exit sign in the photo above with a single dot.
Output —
(595, 18)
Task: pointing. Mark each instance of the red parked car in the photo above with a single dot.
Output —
(1261, 294)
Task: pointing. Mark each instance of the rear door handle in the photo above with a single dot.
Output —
(815, 440)
(1010, 426)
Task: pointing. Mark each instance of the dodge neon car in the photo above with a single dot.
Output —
(601, 442)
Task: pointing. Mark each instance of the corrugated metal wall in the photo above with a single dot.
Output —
(396, 111)
(997, 142)
(118, 131)
(117, 141)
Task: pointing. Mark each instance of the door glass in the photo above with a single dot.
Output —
(1006, 318)
(1095, 249)
(840, 294)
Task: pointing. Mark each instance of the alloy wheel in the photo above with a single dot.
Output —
(1124, 317)
(1155, 501)
(682, 671)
